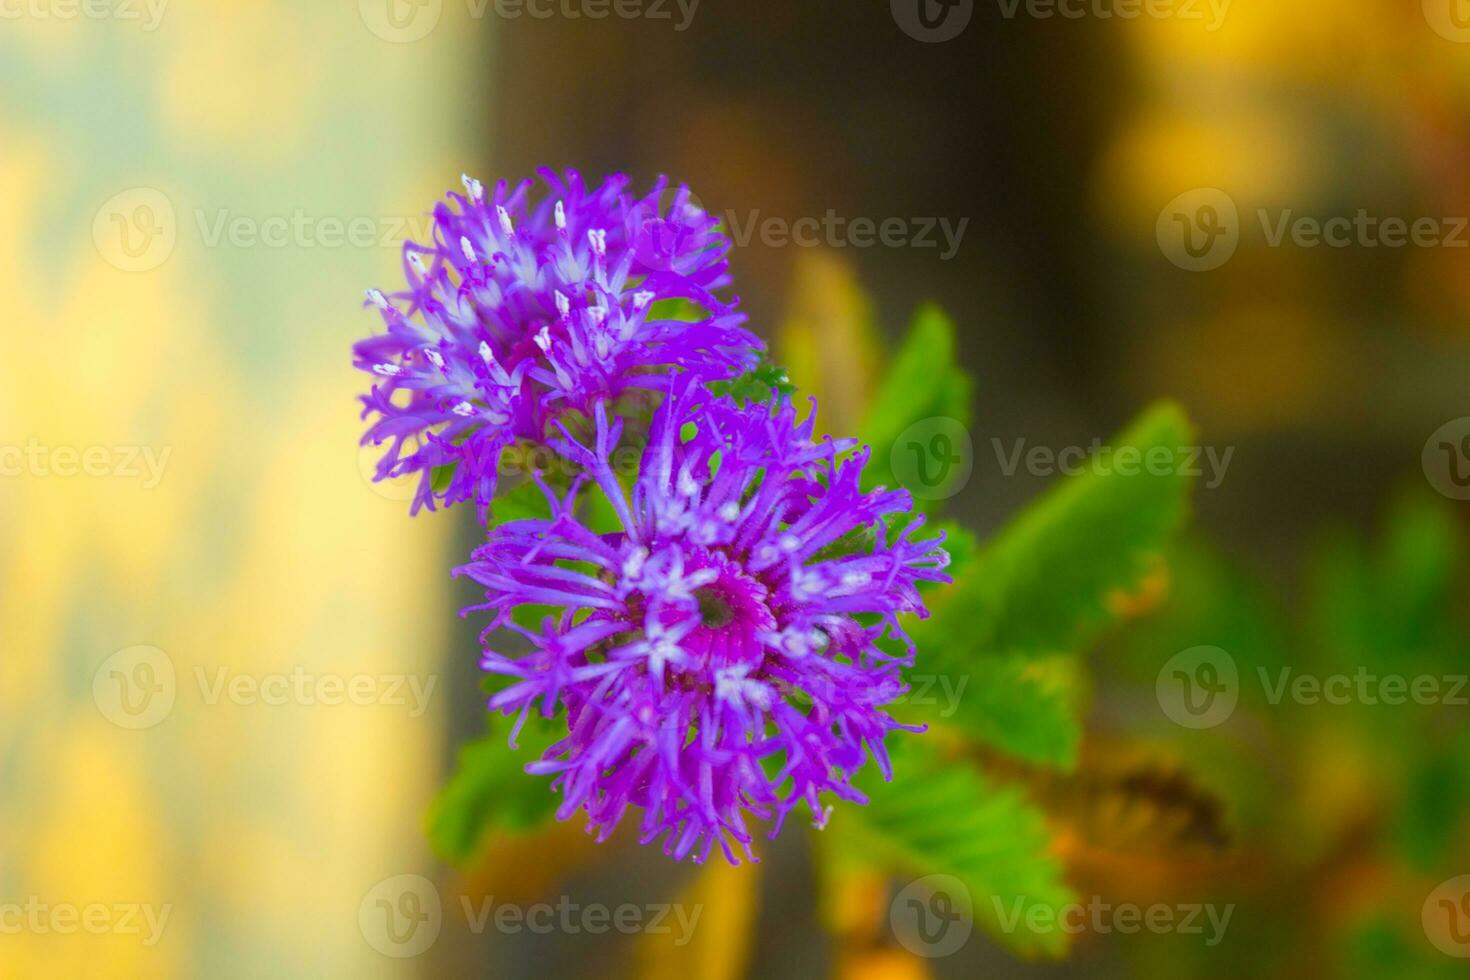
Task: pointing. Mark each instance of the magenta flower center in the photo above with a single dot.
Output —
(733, 616)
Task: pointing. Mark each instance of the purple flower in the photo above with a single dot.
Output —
(719, 655)
(517, 315)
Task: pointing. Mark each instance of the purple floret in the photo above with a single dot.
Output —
(718, 656)
(520, 315)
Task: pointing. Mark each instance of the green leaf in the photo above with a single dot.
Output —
(925, 382)
(520, 502)
(675, 309)
(1021, 705)
(756, 385)
(1054, 578)
(491, 791)
(1382, 947)
(443, 476)
(1428, 828)
(1212, 602)
(1392, 606)
(943, 816)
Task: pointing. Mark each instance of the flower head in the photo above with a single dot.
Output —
(719, 654)
(517, 315)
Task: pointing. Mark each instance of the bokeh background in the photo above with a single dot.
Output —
(194, 194)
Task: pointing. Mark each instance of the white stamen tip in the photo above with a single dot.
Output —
(486, 354)
(467, 249)
(474, 187)
(435, 358)
(464, 409)
(597, 238)
(563, 305)
(387, 370)
(505, 224)
(417, 261)
(561, 216)
(641, 299)
(543, 339)
(729, 512)
(633, 564)
(376, 297)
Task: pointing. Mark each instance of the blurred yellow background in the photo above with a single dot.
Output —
(224, 518)
(194, 196)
